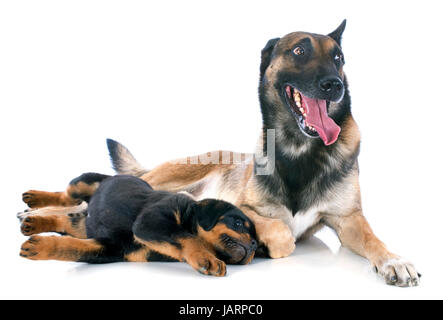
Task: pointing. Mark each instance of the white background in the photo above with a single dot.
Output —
(177, 78)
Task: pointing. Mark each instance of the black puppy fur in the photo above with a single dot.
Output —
(126, 216)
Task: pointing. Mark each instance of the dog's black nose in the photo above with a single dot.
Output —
(331, 84)
(332, 88)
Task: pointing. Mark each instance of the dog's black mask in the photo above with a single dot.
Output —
(303, 73)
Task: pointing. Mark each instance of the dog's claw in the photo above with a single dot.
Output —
(393, 280)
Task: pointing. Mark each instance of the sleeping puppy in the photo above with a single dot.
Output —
(126, 220)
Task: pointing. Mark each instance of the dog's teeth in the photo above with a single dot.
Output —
(297, 97)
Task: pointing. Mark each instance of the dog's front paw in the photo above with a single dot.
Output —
(37, 248)
(207, 263)
(399, 272)
(277, 237)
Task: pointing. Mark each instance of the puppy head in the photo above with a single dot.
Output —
(227, 230)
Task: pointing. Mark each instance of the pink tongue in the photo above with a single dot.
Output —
(317, 117)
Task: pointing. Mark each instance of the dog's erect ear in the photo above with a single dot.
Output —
(337, 33)
(208, 211)
(266, 56)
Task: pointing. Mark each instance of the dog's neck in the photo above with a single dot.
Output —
(301, 162)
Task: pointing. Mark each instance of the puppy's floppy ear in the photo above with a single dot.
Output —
(266, 54)
(337, 33)
(207, 212)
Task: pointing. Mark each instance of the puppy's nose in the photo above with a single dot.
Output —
(253, 244)
(331, 85)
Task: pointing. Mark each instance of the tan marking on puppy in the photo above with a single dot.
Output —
(72, 224)
(213, 236)
(193, 251)
(58, 248)
(177, 217)
(202, 258)
(164, 248)
(39, 199)
(82, 188)
(45, 211)
(139, 255)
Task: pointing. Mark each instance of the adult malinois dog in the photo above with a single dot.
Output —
(312, 177)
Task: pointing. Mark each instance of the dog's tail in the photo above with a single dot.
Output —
(123, 162)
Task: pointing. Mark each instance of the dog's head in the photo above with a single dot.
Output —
(226, 229)
(302, 83)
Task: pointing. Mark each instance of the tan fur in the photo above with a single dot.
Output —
(164, 248)
(72, 224)
(82, 188)
(213, 236)
(53, 210)
(192, 250)
(139, 255)
(177, 217)
(356, 234)
(40, 199)
(58, 248)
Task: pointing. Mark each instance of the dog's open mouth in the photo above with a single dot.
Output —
(312, 116)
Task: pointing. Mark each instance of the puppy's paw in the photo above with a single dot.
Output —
(37, 248)
(34, 199)
(399, 272)
(36, 224)
(22, 215)
(277, 237)
(206, 263)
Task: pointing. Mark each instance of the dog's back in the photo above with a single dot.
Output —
(115, 205)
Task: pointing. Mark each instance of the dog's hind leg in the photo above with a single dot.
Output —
(48, 211)
(73, 224)
(79, 189)
(66, 248)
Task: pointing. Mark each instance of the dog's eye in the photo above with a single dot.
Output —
(338, 57)
(298, 51)
(238, 223)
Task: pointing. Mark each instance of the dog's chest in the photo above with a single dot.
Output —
(300, 222)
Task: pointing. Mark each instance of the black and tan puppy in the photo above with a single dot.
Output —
(126, 220)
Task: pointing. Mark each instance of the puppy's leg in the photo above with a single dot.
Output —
(73, 224)
(356, 234)
(48, 211)
(172, 240)
(190, 250)
(69, 249)
(139, 254)
(79, 189)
